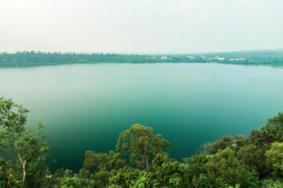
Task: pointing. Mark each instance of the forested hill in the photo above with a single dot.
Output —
(29, 59)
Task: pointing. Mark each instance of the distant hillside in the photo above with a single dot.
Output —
(28, 59)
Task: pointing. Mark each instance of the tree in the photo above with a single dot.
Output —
(252, 157)
(167, 172)
(269, 183)
(130, 177)
(271, 132)
(223, 143)
(23, 152)
(225, 169)
(274, 158)
(141, 145)
(70, 180)
(94, 162)
(197, 171)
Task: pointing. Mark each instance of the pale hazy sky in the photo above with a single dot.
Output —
(140, 26)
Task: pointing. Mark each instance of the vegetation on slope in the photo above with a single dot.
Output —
(140, 159)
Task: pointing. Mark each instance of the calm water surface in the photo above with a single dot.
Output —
(84, 107)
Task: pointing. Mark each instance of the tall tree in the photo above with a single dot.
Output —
(141, 145)
(22, 151)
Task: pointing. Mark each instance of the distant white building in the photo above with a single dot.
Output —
(217, 58)
(164, 58)
(237, 59)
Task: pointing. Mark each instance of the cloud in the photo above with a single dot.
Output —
(185, 3)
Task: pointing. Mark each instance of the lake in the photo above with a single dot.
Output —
(85, 107)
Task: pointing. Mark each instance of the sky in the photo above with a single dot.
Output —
(140, 26)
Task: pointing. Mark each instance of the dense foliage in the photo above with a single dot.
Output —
(27, 59)
(140, 159)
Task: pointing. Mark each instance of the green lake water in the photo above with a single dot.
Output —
(85, 107)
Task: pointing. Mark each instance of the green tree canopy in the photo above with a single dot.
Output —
(141, 145)
(274, 158)
(23, 152)
(271, 132)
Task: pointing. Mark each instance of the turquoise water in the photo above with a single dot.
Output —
(84, 107)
